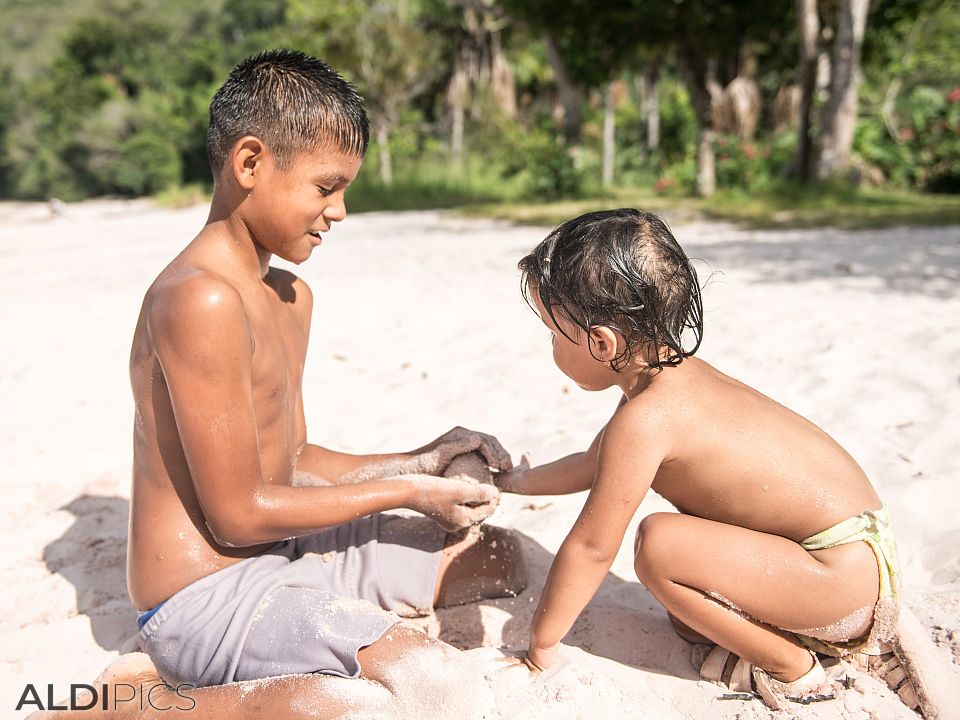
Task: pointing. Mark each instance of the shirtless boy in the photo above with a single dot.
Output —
(781, 545)
(237, 571)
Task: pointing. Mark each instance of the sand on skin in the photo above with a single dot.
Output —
(858, 331)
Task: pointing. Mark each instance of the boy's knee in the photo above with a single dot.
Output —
(651, 547)
(505, 546)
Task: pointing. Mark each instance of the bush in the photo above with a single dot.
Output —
(926, 152)
(544, 162)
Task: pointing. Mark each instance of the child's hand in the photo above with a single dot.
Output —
(539, 659)
(435, 457)
(453, 504)
(512, 481)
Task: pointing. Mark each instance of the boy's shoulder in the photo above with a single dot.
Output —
(190, 302)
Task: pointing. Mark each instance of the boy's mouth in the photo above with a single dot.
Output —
(317, 235)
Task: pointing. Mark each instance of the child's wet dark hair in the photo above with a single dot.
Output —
(621, 269)
(293, 102)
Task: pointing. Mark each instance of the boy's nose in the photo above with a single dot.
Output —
(336, 210)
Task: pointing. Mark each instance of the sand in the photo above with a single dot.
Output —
(859, 331)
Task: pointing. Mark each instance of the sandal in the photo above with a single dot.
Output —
(886, 667)
(744, 677)
(910, 666)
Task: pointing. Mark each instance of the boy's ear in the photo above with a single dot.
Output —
(606, 342)
(247, 160)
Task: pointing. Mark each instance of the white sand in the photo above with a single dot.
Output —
(858, 331)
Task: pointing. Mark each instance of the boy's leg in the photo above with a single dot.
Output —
(738, 587)
(477, 566)
(406, 674)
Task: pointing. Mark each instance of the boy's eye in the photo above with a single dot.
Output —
(553, 337)
(326, 192)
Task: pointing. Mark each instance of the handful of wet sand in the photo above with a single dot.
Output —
(472, 467)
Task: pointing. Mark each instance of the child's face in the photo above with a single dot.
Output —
(289, 209)
(574, 358)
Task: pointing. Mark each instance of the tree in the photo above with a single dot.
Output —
(478, 65)
(382, 46)
(840, 112)
(808, 23)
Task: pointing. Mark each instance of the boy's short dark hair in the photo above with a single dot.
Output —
(293, 102)
(621, 269)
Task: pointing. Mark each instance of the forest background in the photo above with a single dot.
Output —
(774, 111)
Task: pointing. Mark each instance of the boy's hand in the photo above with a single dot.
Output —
(435, 457)
(539, 659)
(512, 481)
(453, 504)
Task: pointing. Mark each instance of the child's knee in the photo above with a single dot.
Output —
(651, 547)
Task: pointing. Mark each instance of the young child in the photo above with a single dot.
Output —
(781, 545)
(237, 571)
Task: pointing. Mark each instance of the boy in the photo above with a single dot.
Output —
(237, 571)
(781, 545)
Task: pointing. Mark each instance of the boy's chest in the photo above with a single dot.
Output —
(278, 349)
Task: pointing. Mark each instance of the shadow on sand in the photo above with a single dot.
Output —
(916, 261)
(623, 622)
(92, 554)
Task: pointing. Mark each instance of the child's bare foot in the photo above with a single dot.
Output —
(133, 686)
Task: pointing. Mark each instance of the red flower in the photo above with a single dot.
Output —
(953, 96)
(749, 150)
(907, 133)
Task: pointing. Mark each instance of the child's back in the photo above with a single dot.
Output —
(739, 457)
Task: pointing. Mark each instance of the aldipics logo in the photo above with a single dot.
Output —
(158, 696)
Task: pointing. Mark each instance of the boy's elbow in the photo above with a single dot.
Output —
(232, 530)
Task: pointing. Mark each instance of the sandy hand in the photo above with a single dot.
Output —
(453, 503)
(459, 441)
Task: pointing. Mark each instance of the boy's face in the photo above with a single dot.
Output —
(287, 210)
(574, 358)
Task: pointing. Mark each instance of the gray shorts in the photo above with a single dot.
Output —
(305, 605)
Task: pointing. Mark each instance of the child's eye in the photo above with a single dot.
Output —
(553, 337)
(326, 192)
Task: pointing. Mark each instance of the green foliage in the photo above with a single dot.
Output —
(925, 153)
(111, 96)
(539, 157)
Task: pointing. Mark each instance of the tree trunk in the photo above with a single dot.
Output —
(567, 91)
(457, 96)
(652, 101)
(700, 75)
(501, 78)
(809, 26)
(706, 162)
(383, 145)
(608, 136)
(649, 86)
(840, 113)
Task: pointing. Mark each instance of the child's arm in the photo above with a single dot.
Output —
(570, 474)
(201, 338)
(630, 452)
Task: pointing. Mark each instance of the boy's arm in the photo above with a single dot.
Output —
(200, 334)
(630, 452)
(432, 459)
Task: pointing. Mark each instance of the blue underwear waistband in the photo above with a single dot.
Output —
(142, 617)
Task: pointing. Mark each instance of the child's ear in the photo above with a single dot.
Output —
(606, 343)
(247, 160)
